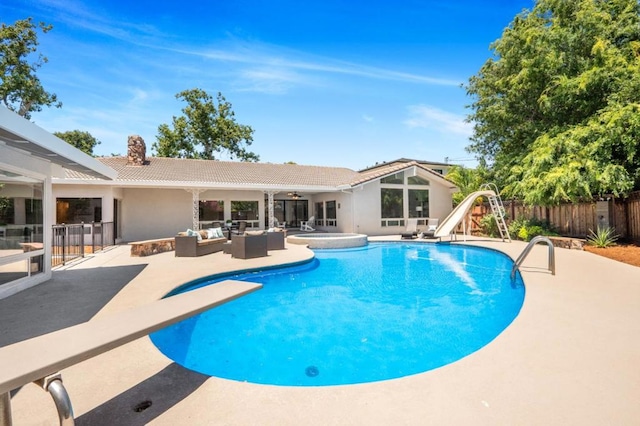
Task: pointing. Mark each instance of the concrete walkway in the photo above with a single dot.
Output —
(570, 357)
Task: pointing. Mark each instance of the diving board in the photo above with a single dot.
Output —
(36, 358)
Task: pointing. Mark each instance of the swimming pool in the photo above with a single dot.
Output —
(379, 312)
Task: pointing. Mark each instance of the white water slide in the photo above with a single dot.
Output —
(458, 214)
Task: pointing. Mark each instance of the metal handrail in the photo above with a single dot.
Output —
(525, 252)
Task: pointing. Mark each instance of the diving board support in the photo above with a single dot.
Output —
(43, 357)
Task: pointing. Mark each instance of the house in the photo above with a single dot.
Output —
(30, 158)
(156, 197)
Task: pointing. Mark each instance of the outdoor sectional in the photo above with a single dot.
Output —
(189, 246)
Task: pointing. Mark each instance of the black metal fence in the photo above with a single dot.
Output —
(75, 240)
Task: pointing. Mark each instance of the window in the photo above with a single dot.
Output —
(331, 213)
(212, 210)
(244, 210)
(319, 211)
(397, 179)
(391, 202)
(78, 210)
(418, 203)
(417, 180)
(438, 170)
(21, 226)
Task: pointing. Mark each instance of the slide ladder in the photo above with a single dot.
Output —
(497, 208)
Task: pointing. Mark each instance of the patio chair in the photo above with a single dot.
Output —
(307, 225)
(412, 229)
(242, 226)
(278, 224)
(432, 225)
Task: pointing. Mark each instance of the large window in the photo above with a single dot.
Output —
(418, 203)
(331, 210)
(21, 226)
(391, 203)
(417, 180)
(78, 210)
(244, 210)
(211, 211)
(397, 179)
(319, 213)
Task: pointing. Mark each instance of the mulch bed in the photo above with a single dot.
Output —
(626, 253)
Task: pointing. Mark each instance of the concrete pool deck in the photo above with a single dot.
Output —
(572, 356)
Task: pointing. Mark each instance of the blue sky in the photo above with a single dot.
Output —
(335, 83)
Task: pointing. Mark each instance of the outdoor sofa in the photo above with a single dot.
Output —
(194, 245)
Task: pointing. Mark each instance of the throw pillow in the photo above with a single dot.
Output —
(254, 232)
(191, 233)
(203, 234)
(219, 233)
(211, 233)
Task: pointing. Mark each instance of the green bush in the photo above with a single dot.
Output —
(489, 226)
(525, 229)
(603, 238)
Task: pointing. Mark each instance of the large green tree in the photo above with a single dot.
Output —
(204, 130)
(20, 88)
(556, 111)
(84, 141)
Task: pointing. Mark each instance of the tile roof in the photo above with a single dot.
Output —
(180, 170)
(165, 171)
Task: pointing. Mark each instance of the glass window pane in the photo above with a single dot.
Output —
(331, 210)
(417, 180)
(244, 210)
(13, 271)
(391, 203)
(78, 210)
(212, 210)
(21, 212)
(418, 203)
(398, 178)
(319, 211)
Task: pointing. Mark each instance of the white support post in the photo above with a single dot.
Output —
(195, 193)
(271, 218)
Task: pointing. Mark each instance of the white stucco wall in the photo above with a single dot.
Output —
(150, 213)
(344, 213)
(367, 207)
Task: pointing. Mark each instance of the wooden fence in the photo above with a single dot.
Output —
(576, 220)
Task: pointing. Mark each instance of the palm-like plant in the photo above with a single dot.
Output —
(603, 237)
(467, 180)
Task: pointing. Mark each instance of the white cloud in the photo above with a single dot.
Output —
(428, 117)
(367, 118)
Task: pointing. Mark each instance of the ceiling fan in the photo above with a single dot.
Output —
(294, 195)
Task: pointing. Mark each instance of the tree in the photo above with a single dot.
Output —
(204, 130)
(556, 110)
(20, 88)
(467, 180)
(84, 141)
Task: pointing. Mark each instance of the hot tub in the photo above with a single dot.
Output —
(325, 241)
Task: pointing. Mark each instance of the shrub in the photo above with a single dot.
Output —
(525, 229)
(603, 238)
(489, 225)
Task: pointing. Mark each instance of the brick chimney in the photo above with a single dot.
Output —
(136, 151)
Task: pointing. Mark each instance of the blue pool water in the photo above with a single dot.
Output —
(352, 316)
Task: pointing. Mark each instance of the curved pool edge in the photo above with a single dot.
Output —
(329, 240)
(358, 383)
(217, 276)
